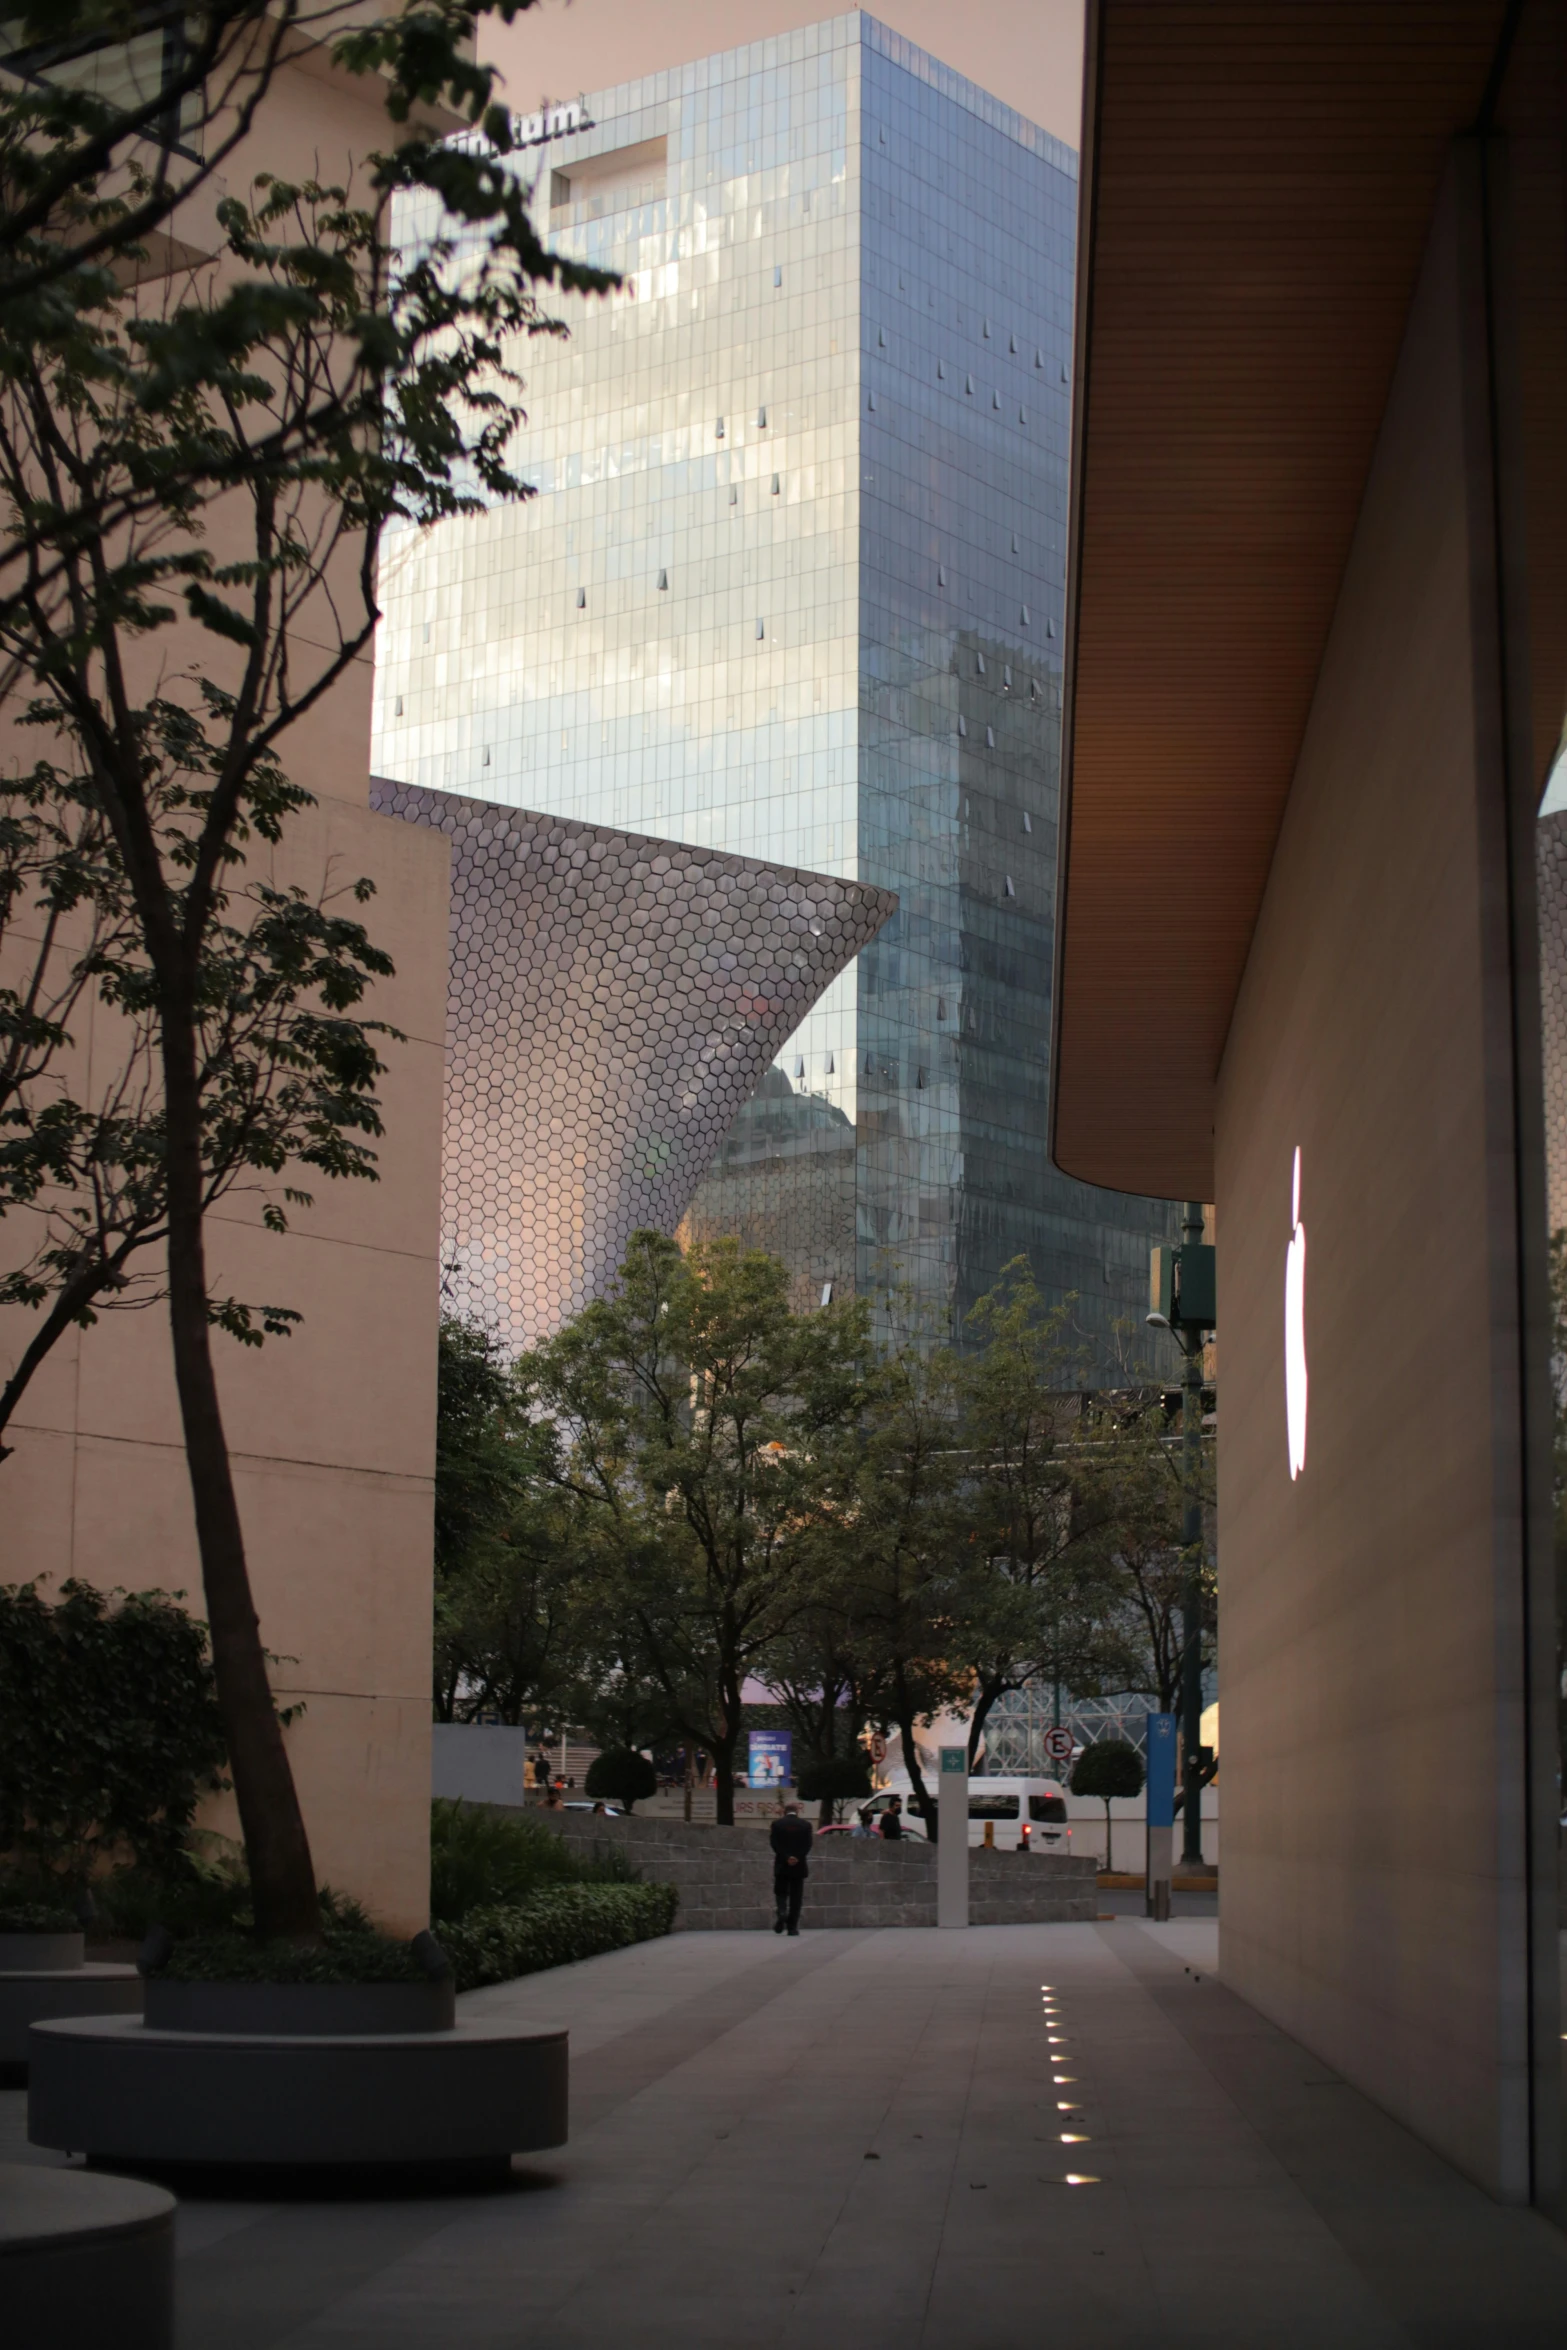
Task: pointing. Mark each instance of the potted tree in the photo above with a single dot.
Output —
(1108, 1768)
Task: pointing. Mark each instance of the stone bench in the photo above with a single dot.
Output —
(84, 2260)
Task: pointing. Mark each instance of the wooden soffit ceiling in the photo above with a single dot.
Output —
(1257, 184)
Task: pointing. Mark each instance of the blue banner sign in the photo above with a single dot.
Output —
(770, 1756)
(1161, 1770)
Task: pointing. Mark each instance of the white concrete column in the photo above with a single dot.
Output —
(952, 1838)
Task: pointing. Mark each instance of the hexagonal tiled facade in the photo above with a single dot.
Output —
(613, 1003)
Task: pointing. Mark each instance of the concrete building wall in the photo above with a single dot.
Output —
(332, 1429)
(1372, 1640)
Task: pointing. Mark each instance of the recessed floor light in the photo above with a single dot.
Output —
(1077, 2178)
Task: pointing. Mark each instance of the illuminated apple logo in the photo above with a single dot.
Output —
(1295, 1331)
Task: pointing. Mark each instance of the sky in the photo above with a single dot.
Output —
(1027, 52)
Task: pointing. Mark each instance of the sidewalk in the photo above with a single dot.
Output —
(853, 2142)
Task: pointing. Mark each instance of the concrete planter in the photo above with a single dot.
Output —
(315, 2010)
(43, 1976)
(122, 2091)
(84, 2260)
(40, 1953)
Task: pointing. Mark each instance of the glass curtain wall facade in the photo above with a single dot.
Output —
(791, 586)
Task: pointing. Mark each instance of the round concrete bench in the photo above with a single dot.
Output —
(37, 1994)
(121, 2091)
(84, 2260)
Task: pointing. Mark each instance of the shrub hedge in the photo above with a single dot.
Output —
(554, 1926)
(356, 1957)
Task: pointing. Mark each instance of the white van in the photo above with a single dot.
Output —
(1026, 1814)
(1021, 1813)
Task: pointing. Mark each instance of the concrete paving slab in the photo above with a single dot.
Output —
(856, 2142)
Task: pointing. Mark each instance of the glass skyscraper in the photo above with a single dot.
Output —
(792, 586)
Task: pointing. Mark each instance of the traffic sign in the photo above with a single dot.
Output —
(878, 1750)
(1059, 1743)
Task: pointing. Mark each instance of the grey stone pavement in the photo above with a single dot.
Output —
(854, 2141)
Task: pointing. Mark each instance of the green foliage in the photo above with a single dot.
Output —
(23, 1911)
(109, 1728)
(351, 1955)
(621, 1775)
(1107, 1768)
(703, 1429)
(510, 1610)
(484, 1859)
(555, 1928)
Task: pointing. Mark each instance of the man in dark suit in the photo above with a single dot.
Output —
(791, 1840)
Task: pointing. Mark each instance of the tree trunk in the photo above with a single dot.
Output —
(923, 1801)
(282, 1876)
(988, 1693)
(723, 1751)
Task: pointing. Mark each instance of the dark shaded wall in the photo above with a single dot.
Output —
(1385, 1797)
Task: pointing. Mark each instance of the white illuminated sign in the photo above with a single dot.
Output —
(1295, 1331)
(551, 122)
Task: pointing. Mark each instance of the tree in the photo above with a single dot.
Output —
(1108, 1768)
(1143, 1536)
(1047, 1601)
(621, 1775)
(835, 1779)
(893, 1561)
(701, 1424)
(225, 442)
(511, 1608)
(110, 1731)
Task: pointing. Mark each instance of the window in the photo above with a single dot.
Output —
(718, 430)
(826, 1293)
(1011, 889)
(994, 1807)
(761, 630)
(601, 184)
(397, 707)
(582, 599)
(1047, 1807)
(777, 483)
(761, 420)
(990, 738)
(663, 579)
(1028, 821)
(777, 275)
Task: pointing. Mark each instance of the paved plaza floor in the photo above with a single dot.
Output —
(864, 2141)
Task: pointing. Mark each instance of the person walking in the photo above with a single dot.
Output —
(892, 1820)
(791, 1839)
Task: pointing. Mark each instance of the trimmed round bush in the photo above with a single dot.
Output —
(621, 1775)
